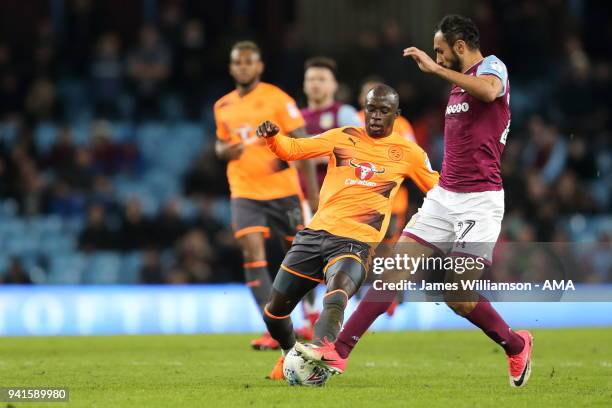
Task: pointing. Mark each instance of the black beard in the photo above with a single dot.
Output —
(455, 64)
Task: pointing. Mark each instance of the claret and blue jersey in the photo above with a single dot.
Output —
(475, 134)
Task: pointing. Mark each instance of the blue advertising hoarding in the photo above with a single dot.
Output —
(105, 310)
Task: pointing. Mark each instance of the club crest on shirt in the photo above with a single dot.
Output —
(326, 120)
(395, 153)
(293, 110)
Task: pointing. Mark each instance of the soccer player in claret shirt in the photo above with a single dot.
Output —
(265, 191)
(462, 215)
(322, 113)
(366, 168)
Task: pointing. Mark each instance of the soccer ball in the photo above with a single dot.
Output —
(303, 372)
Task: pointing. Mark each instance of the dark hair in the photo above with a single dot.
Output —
(321, 62)
(455, 27)
(246, 45)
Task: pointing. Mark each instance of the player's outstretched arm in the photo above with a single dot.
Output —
(287, 148)
(485, 88)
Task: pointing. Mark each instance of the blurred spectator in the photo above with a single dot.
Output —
(168, 227)
(488, 25)
(61, 157)
(79, 29)
(598, 258)
(581, 160)
(110, 157)
(30, 189)
(177, 276)
(41, 103)
(96, 235)
(207, 223)
(149, 68)
(392, 43)
(206, 176)
(107, 155)
(191, 68)
(194, 256)
(171, 22)
(11, 98)
(135, 229)
(575, 94)
(151, 271)
(81, 175)
(44, 58)
(4, 180)
(65, 201)
(103, 193)
(107, 73)
(546, 150)
(16, 274)
(572, 195)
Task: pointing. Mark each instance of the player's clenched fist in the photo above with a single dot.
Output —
(267, 129)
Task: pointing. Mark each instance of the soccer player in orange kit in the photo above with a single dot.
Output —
(265, 191)
(366, 168)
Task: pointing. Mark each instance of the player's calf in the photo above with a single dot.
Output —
(461, 308)
(330, 321)
(280, 327)
(343, 278)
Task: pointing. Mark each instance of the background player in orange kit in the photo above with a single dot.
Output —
(366, 168)
(265, 191)
(322, 113)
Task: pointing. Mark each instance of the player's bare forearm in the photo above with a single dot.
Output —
(485, 88)
(228, 151)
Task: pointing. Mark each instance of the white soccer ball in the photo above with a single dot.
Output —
(303, 372)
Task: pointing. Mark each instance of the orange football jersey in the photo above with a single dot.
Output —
(258, 174)
(363, 176)
(402, 127)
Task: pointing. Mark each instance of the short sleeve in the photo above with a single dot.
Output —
(288, 115)
(221, 129)
(494, 66)
(348, 116)
(419, 169)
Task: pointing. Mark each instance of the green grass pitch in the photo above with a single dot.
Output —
(571, 368)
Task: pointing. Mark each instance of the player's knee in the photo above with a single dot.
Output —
(253, 253)
(347, 274)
